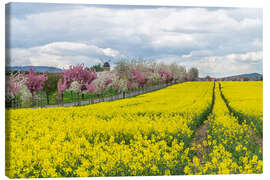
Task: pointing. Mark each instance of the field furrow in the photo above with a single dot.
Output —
(230, 146)
(245, 101)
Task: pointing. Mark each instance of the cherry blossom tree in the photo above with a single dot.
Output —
(35, 82)
(61, 86)
(14, 84)
(120, 84)
(149, 72)
(139, 78)
(91, 89)
(132, 85)
(14, 87)
(81, 75)
(168, 76)
(104, 82)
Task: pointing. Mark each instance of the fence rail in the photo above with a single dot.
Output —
(115, 97)
(40, 103)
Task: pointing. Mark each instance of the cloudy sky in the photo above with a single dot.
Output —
(218, 41)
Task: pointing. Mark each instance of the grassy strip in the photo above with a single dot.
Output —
(69, 97)
(199, 120)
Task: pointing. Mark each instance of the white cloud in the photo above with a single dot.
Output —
(219, 40)
(169, 59)
(110, 52)
(257, 44)
(199, 53)
(172, 28)
(250, 56)
(220, 66)
(60, 54)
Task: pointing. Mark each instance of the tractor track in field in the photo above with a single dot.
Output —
(254, 135)
(200, 133)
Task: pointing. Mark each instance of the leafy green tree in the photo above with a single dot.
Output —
(245, 78)
(97, 68)
(50, 86)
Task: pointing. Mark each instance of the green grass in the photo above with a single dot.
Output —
(54, 98)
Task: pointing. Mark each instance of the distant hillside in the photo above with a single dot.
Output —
(36, 68)
(251, 75)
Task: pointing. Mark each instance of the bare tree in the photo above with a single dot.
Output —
(193, 74)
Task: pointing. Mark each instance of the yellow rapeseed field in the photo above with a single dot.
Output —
(145, 135)
(151, 134)
(229, 147)
(246, 100)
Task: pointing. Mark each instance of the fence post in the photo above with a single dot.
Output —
(12, 103)
(18, 102)
(20, 105)
(71, 97)
(62, 99)
(41, 100)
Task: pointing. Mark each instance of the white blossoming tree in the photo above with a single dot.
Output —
(104, 82)
(17, 90)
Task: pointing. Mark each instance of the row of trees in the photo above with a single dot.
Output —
(127, 75)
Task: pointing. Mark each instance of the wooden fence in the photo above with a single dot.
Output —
(40, 100)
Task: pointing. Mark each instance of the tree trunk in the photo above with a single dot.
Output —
(79, 103)
(98, 95)
(12, 103)
(82, 97)
(62, 99)
(48, 99)
(41, 99)
(71, 97)
(33, 100)
(18, 101)
(15, 100)
(92, 101)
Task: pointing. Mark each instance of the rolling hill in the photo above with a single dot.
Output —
(250, 75)
(36, 68)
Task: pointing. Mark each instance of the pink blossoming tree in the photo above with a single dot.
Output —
(61, 86)
(79, 74)
(35, 82)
